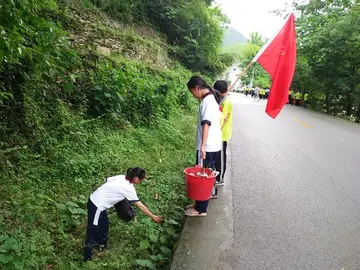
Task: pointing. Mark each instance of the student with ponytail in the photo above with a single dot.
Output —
(115, 189)
(208, 134)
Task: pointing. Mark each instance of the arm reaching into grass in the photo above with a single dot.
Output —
(147, 212)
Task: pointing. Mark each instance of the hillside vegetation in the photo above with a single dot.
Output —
(232, 37)
(88, 89)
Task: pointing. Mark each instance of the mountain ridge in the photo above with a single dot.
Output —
(233, 37)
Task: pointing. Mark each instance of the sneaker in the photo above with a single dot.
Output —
(87, 253)
(214, 193)
(220, 183)
(189, 206)
(102, 247)
(193, 213)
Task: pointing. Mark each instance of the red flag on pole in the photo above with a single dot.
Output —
(278, 58)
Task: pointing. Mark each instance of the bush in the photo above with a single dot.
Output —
(135, 92)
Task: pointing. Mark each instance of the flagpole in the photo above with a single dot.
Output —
(241, 74)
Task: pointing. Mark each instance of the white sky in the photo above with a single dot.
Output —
(254, 15)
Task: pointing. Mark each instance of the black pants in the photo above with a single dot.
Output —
(95, 234)
(209, 162)
(221, 162)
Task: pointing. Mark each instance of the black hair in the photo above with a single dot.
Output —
(202, 84)
(221, 86)
(135, 172)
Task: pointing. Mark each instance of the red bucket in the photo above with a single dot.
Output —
(199, 187)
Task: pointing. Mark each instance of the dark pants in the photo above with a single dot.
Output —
(95, 234)
(209, 162)
(221, 162)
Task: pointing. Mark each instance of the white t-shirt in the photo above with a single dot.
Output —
(209, 112)
(116, 189)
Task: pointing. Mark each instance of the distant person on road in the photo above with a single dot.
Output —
(293, 97)
(290, 96)
(226, 128)
(297, 98)
(300, 99)
(208, 135)
(262, 93)
(256, 94)
(306, 98)
(267, 93)
(114, 190)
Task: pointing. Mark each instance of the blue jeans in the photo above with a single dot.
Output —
(209, 162)
(95, 234)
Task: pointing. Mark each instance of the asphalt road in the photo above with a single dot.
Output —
(291, 198)
(295, 189)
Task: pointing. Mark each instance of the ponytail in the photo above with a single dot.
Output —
(135, 172)
(129, 174)
(216, 94)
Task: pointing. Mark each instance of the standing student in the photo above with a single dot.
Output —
(256, 94)
(208, 134)
(115, 189)
(290, 95)
(226, 128)
(306, 98)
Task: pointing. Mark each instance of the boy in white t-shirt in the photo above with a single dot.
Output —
(115, 189)
(208, 134)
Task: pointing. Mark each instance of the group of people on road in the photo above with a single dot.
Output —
(257, 93)
(214, 130)
(298, 98)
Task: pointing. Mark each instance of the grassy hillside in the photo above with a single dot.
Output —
(43, 217)
(84, 97)
(91, 29)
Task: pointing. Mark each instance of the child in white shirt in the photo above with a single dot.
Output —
(208, 134)
(115, 189)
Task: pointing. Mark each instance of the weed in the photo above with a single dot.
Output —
(43, 211)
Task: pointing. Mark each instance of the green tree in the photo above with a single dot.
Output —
(328, 56)
(256, 39)
(255, 74)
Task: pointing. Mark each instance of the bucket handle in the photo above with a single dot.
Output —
(200, 161)
(215, 173)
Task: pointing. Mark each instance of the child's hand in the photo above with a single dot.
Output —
(156, 219)
(203, 153)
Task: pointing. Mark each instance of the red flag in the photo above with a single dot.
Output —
(278, 58)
